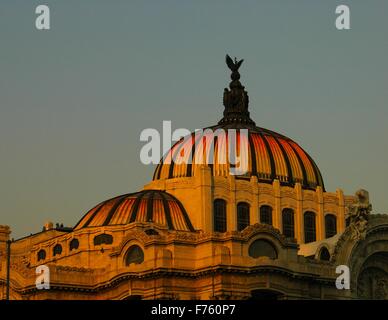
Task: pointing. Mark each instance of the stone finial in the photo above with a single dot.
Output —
(5, 231)
(236, 99)
(48, 226)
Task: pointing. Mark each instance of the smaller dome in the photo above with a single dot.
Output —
(153, 206)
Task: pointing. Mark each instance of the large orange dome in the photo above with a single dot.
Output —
(270, 156)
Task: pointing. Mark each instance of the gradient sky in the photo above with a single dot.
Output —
(73, 100)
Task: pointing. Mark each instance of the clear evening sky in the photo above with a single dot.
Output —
(74, 99)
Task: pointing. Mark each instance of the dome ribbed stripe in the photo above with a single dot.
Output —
(92, 216)
(113, 209)
(179, 146)
(135, 207)
(318, 177)
(305, 181)
(167, 212)
(156, 175)
(285, 156)
(271, 159)
(150, 208)
(192, 154)
(253, 156)
(185, 215)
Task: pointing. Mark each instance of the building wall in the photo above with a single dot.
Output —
(198, 193)
(176, 265)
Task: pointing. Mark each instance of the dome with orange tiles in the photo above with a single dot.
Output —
(268, 155)
(148, 206)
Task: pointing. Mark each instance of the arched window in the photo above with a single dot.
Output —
(288, 223)
(262, 248)
(266, 215)
(74, 244)
(330, 225)
(242, 215)
(309, 227)
(134, 255)
(324, 254)
(103, 239)
(41, 255)
(219, 215)
(57, 250)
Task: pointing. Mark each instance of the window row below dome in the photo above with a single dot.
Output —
(265, 217)
(57, 249)
(74, 245)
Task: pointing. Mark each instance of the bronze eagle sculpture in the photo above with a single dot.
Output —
(233, 65)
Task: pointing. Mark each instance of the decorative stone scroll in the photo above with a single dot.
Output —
(358, 215)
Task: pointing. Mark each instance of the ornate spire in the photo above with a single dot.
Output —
(236, 99)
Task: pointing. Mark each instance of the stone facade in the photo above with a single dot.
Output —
(198, 265)
(234, 190)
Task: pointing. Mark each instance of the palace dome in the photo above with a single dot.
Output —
(148, 206)
(270, 155)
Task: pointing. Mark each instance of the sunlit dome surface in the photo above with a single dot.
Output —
(148, 206)
(269, 156)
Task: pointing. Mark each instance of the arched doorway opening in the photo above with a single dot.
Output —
(372, 281)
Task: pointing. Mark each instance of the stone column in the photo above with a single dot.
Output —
(231, 208)
(320, 219)
(5, 231)
(254, 212)
(340, 211)
(277, 214)
(206, 220)
(299, 235)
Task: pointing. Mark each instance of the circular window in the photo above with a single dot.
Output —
(134, 255)
(262, 248)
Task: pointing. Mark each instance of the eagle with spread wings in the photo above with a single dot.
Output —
(233, 65)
